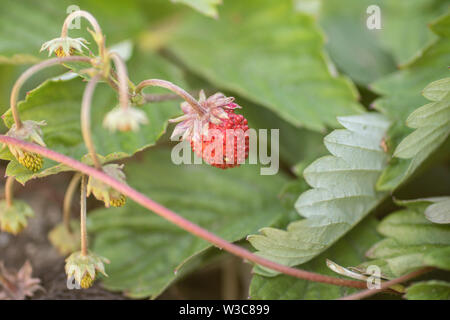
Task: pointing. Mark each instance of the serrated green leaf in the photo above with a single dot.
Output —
(264, 51)
(438, 258)
(432, 123)
(401, 94)
(439, 212)
(411, 241)
(412, 228)
(429, 290)
(207, 7)
(442, 26)
(347, 251)
(145, 250)
(59, 103)
(343, 193)
(419, 204)
(437, 90)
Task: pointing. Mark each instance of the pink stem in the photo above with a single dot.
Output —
(175, 218)
(27, 74)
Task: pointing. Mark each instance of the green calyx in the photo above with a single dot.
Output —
(14, 218)
(84, 268)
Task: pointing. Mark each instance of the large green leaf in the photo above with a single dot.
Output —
(350, 250)
(343, 193)
(145, 250)
(439, 212)
(365, 54)
(264, 51)
(207, 7)
(429, 290)
(411, 241)
(408, 20)
(354, 48)
(401, 94)
(59, 103)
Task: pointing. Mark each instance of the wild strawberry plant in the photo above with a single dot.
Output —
(275, 61)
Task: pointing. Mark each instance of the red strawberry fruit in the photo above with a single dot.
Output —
(218, 134)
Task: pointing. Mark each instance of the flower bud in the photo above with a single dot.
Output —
(63, 240)
(104, 192)
(65, 46)
(14, 218)
(84, 268)
(124, 119)
(29, 131)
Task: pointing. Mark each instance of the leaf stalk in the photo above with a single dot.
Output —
(98, 34)
(86, 119)
(84, 235)
(31, 71)
(174, 88)
(68, 197)
(9, 191)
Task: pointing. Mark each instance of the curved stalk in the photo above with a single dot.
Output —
(68, 197)
(91, 19)
(27, 74)
(160, 97)
(177, 219)
(86, 119)
(84, 236)
(9, 191)
(174, 88)
(370, 292)
(122, 77)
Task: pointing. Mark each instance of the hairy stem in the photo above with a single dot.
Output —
(370, 292)
(84, 236)
(174, 88)
(99, 38)
(86, 119)
(27, 74)
(160, 97)
(122, 77)
(68, 197)
(175, 218)
(9, 191)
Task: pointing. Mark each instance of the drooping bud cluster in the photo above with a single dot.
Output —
(14, 218)
(84, 268)
(29, 131)
(207, 133)
(124, 119)
(64, 240)
(104, 192)
(63, 47)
